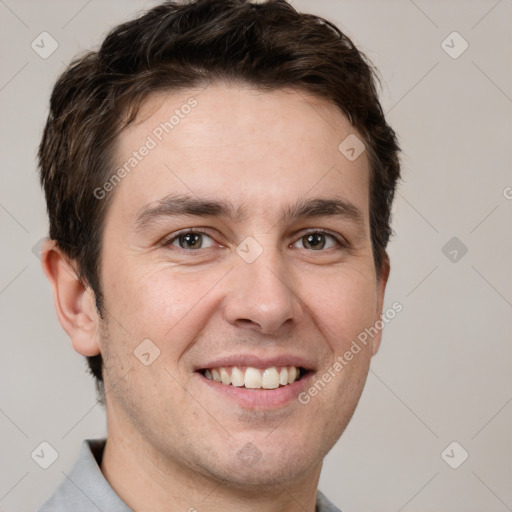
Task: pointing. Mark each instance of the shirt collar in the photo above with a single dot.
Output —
(84, 487)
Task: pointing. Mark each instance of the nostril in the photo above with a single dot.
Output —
(248, 324)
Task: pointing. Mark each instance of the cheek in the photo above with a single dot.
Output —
(344, 301)
(162, 303)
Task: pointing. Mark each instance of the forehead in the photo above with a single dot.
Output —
(236, 142)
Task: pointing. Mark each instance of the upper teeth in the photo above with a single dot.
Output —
(254, 378)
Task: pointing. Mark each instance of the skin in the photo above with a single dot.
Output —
(172, 440)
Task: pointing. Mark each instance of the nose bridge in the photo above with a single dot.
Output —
(261, 295)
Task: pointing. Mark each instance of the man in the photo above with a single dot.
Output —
(219, 178)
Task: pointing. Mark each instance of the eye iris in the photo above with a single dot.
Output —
(191, 240)
(315, 240)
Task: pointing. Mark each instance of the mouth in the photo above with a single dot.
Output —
(256, 382)
(252, 378)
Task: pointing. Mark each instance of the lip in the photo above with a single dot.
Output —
(244, 360)
(259, 398)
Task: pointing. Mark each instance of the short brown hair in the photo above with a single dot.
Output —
(180, 45)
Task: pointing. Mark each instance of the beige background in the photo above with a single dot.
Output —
(443, 373)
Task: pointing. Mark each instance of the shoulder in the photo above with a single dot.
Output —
(85, 488)
(324, 505)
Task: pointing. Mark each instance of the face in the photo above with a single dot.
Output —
(239, 243)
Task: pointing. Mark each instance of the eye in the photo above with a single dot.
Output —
(318, 240)
(191, 240)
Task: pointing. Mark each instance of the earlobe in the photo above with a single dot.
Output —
(74, 302)
(381, 289)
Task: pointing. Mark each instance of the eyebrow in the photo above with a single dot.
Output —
(185, 205)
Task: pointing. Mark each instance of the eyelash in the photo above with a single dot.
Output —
(342, 244)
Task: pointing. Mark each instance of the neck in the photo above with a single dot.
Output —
(146, 480)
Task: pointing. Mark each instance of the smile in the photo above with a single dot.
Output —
(255, 378)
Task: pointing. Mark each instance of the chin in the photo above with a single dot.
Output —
(248, 468)
(263, 478)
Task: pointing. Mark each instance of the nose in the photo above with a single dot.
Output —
(261, 295)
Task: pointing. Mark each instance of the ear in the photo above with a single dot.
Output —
(75, 303)
(382, 280)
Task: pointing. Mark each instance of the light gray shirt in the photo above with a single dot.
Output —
(85, 489)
